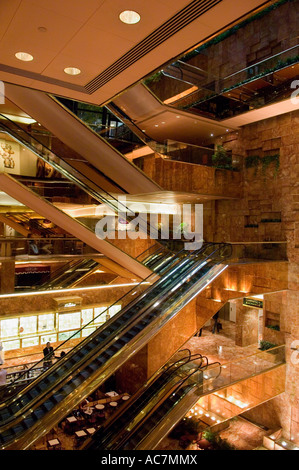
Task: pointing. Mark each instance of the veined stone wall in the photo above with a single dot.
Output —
(270, 197)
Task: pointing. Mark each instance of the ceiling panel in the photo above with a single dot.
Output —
(76, 10)
(8, 9)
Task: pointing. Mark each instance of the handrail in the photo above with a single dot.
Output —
(107, 341)
(89, 324)
(151, 383)
(67, 171)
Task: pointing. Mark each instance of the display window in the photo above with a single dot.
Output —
(8, 345)
(46, 322)
(100, 314)
(28, 342)
(52, 338)
(69, 321)
(9, 327)
(28, 325)
(34, 330)
(68, 334)
(87, 331)
(113, 310)
(87, 316)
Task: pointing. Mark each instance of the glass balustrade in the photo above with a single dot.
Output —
(145, 413)
(127, 331)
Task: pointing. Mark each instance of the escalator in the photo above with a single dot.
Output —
(38, 195)
(92, 148)
(140, 416)
(68, 275)
(26, 416)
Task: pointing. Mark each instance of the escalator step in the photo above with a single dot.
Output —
(38, 413)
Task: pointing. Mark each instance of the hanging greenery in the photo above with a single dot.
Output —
(268, 160)
(254, 161)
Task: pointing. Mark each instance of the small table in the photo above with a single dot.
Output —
(53, 444)
(90, 431)
(100, 407)
(125, 397)
(81, 433)
(113, 403)
(71, 419)
(112, 394)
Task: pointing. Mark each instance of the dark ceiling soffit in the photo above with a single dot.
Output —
(41, 78)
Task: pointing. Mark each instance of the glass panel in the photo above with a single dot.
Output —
(87, 315)
(100, 314)
(9, 327)
(87, 331)
(46, 322)
(69, 320)
(28, 325)
(7, 345)
(113, 310)
(27, 342)
(51, 338)
(67, 334)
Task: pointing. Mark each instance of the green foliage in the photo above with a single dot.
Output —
(265, 345)
(209, 435)
(255, 161)
(221, 159)
(156, 77)
(217, 442)
(268, 160)
(273, 327)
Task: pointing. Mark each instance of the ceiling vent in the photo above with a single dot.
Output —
(179, 21)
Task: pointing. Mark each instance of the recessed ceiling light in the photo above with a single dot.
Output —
(72, 71)
(129, 17)
(24, 56)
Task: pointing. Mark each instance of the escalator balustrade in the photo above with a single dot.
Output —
(104, 350)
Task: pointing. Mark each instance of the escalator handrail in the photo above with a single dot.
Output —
(178, 384)
(21, 411)
(63, 344)
(68, 173)
(151, 383)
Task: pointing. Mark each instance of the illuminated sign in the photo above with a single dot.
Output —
(247, 302)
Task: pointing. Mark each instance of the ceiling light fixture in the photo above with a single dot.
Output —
(129, 17)
(24, 56)
(72, 71)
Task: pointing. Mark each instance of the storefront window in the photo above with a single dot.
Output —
(28, 325)
(50, 338)
(87, 332)
(68, 334)
(46, 322)
(69, 321)
(113, 310)
(9, 327)
(27, 342)
(100, 314)
(87, 316)
(8, 345)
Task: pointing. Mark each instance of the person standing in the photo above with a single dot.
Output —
(48, 355)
